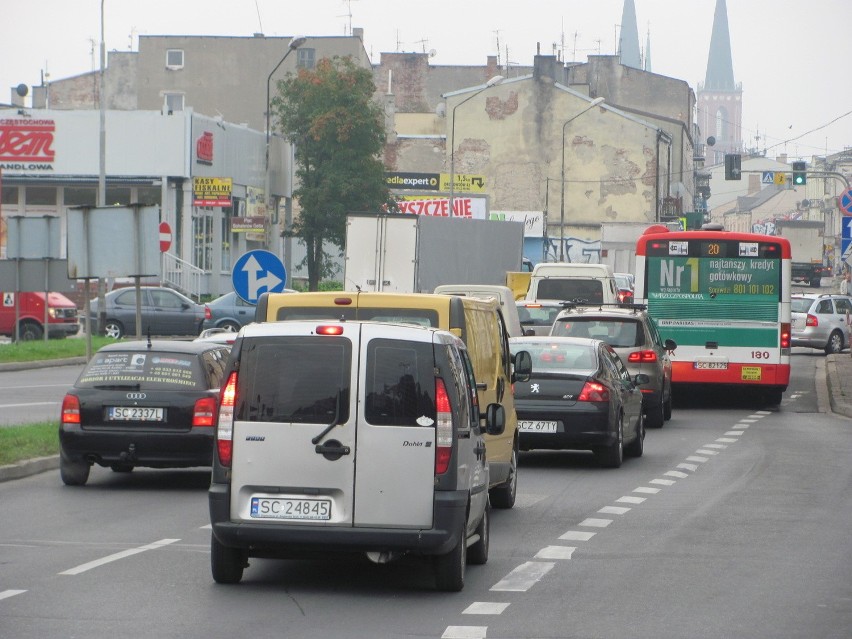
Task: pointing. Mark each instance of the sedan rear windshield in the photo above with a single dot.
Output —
(618, 333)
(142, 370)
(554, 357)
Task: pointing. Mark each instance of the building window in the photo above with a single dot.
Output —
(9, 195)
(306, 58)
(149, 195)
(80, 196)
(117, 196)
(41, 196)
(174, 59)
(172, 102)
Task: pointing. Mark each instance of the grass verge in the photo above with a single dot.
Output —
(18, 443)
(52, 349)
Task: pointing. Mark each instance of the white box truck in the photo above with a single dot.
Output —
(806, 246)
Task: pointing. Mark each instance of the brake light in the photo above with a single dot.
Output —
(594, 392)
(785, 335)
(335, 329)
(624, 296)
(225, 426)
(204, 412)
(812, 321)
(444, 431)
(71, 410)
(642, 357)
(208, 315)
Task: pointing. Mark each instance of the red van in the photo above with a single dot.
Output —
(62, 319)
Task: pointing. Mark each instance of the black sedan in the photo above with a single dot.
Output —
(142, 403)
(580, 396)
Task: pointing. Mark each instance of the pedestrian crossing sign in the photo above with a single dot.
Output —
(8, 299)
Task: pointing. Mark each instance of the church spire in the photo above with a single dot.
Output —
(628, 43)
(720, 69)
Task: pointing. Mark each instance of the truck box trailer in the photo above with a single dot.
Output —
(806, 244)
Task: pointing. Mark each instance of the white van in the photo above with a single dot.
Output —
(503, 294)
(350, 436)
(589, 284)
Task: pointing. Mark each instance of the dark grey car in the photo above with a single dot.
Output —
(164, 312)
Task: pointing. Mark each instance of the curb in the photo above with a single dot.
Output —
(28, 467)
(46, 363)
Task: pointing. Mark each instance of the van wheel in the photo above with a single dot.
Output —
(477, 554)
(503, 496)
(613, 455)
(449, 568)
(30, 331)
(73, 473)
(226, 563)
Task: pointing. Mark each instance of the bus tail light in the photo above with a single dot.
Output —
(444, 433)
(594, 392)
(785, 334)
(812, 320)
(225, 427)
(642, 357)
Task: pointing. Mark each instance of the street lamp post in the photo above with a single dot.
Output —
(497, 79)
(591, 105)
(295, 43)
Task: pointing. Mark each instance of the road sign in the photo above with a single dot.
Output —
(258, 272)
(165, 237)
(846, 247)
(846, 228)
(844, 202)
(780, 178)
(768, 177)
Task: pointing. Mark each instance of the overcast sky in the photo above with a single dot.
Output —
(792, 57)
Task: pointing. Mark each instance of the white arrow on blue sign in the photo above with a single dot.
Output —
(258, 272)
(846, 227)
(846, 248)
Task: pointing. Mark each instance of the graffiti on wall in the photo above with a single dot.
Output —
(574, 249)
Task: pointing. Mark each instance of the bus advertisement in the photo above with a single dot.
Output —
(724, 298)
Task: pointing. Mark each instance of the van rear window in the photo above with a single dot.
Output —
(400, 383)
(420, 316)
(589, 290)
(299, 379)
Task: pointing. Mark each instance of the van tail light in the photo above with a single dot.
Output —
(225, 425)
(71, 410)
(208, 315)
(812, 321)
(785, 335)
(444, 431)
(594, 392)
(204, 412)
(642, 357)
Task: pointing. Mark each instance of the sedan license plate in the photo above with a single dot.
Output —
(290, 508)
(134, 414)
(721, 366)
(530, 426)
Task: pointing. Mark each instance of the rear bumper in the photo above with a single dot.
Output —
(278, 539)
(576, 430)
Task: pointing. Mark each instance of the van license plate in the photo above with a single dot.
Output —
(134, 414)
(288, 508)
(536, 426)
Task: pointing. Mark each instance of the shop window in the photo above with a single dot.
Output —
(118, 195)
(9, 195)
(80, 196)
(174, 59)
(41, 196)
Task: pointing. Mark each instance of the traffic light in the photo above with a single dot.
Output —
(800, 174)
(732, 166)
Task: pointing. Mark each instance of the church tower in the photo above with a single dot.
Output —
(720, 113)
(628, 42)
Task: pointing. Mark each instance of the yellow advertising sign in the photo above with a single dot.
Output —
(464, 183)
(209, 191)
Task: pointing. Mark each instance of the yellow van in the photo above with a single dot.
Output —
(480, 325)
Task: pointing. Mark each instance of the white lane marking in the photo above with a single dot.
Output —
(703, 451)
(734, 433)
(485, 608)
(11, 593)
(577, 535)
(741, 427)
(117, 556)
(692, 467)
(717, 446)
(747, 421)
(523, 577)
(464, 632)
(646, 490)
(763, 413)
(207, 527)
(591, 522)
(627, 499)
(676, 473)
(696, 458)
(727, 440)
(555, 552)
(29, 404)
(662, 482)
(613, 510)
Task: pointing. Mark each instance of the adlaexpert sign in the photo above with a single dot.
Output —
(419, 181)
(27, 145)
(212, 191)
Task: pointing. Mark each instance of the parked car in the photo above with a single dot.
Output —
(306, 403)
(164, 312)
(580, 396)
(230, 312)
(819, 321)
(142, 403)
(633, 335)
(537, 317)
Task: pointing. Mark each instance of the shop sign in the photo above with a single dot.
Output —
(204, 148)
(212, 191)
(255, 224)
(27, 144)
(474, 208)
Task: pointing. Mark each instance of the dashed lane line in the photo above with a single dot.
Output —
(523, 577)
(10, 593)
(119, 555)
(485, 608)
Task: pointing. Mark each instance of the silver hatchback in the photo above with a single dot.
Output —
(819, 321)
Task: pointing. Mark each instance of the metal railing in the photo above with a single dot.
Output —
(183, 276)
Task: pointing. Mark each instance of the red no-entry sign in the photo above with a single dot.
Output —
(165, 237)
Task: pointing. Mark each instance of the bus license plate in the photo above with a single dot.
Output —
(290, 508)
(134, 414)
(536, 426)
(721, 366)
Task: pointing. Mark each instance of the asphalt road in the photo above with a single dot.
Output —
(34, 395)
(734, 524)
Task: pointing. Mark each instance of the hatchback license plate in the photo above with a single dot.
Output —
(290, 508)
(529, 426)
(712, 365)
(135, 414)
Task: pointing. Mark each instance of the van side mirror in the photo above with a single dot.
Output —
(495, 419)
(523, 366)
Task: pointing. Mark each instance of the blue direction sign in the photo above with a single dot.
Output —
(258, 272)
(846, 228)
(844, 202)
(845, 248)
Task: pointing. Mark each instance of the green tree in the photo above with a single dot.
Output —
(329, 115)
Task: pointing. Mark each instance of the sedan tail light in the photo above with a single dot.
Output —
(594, 392)
(71, 410)
(444, 434)
(208, 315)
(225, 424)
(642, 357)
(204, 412)
(812, 320)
